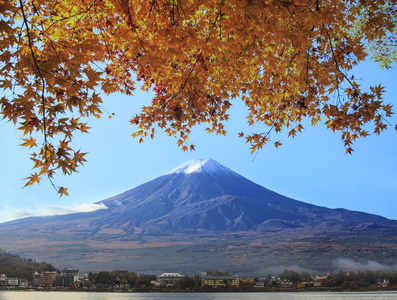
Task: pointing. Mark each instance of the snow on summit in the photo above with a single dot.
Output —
(191, 166)
(208, 165)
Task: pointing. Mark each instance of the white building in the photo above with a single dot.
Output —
(3, 281)
(23, 283)
(169, 279)
(13, 282)
(36, 279)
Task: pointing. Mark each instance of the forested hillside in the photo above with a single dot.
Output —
(16, 266)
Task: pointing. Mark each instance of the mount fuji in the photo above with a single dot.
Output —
(202, 215)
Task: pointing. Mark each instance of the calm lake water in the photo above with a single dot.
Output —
(22, 295)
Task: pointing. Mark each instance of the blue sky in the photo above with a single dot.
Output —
(312, 167)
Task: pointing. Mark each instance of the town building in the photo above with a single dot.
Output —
(285, 283)
(36, 279)
(23, 283)
(318, 280)
(219, 281)
(13, 282)
(72, 272)
(63, 280)
(67, 277)
(3, 281)
(169, 279)
(47, 279)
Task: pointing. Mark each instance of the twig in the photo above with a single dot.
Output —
(25, 21)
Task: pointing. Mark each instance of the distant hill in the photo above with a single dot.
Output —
(202, 215)
(18, 267)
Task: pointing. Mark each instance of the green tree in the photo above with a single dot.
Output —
(187, 283)
(291, 276)
(370, 276)
(106, 278)
(88, 284)
(305, 276)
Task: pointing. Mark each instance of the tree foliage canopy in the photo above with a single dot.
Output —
(288, 60)
(16, 266)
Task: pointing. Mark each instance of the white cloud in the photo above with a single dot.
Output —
(347, 264)
(9, 213)
(276, 270)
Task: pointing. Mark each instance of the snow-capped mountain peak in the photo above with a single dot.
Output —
(208, 165)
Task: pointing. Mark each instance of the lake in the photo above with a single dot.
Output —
(40, 295)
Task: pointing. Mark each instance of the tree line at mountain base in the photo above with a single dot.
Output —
(19, 267)
(289, 280)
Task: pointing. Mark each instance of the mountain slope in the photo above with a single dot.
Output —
(206, 195)
(205, 211)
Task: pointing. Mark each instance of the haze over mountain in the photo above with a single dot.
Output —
(199, 215)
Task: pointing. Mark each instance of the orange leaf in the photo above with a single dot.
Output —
(29, 143)
(63, 191)
(35, 178)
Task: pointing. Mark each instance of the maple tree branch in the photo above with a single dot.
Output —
(266, 135)
(17, 58)
(307, 65)
(131, 24)
(173, 13)
(25, 21)
(151, 7)
(43, 31)
(179, 3)
(60, 79)
(51, 73)
(72, 16)
(289, 11)
(337, 65)
(13, 15)
(336, 62)
(188, 75)
(100, 29)
(220, 27)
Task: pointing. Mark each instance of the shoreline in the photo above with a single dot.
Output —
(269, 290)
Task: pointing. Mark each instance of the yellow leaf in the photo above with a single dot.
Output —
(63, 191)
(31, 142)
(35, 178)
